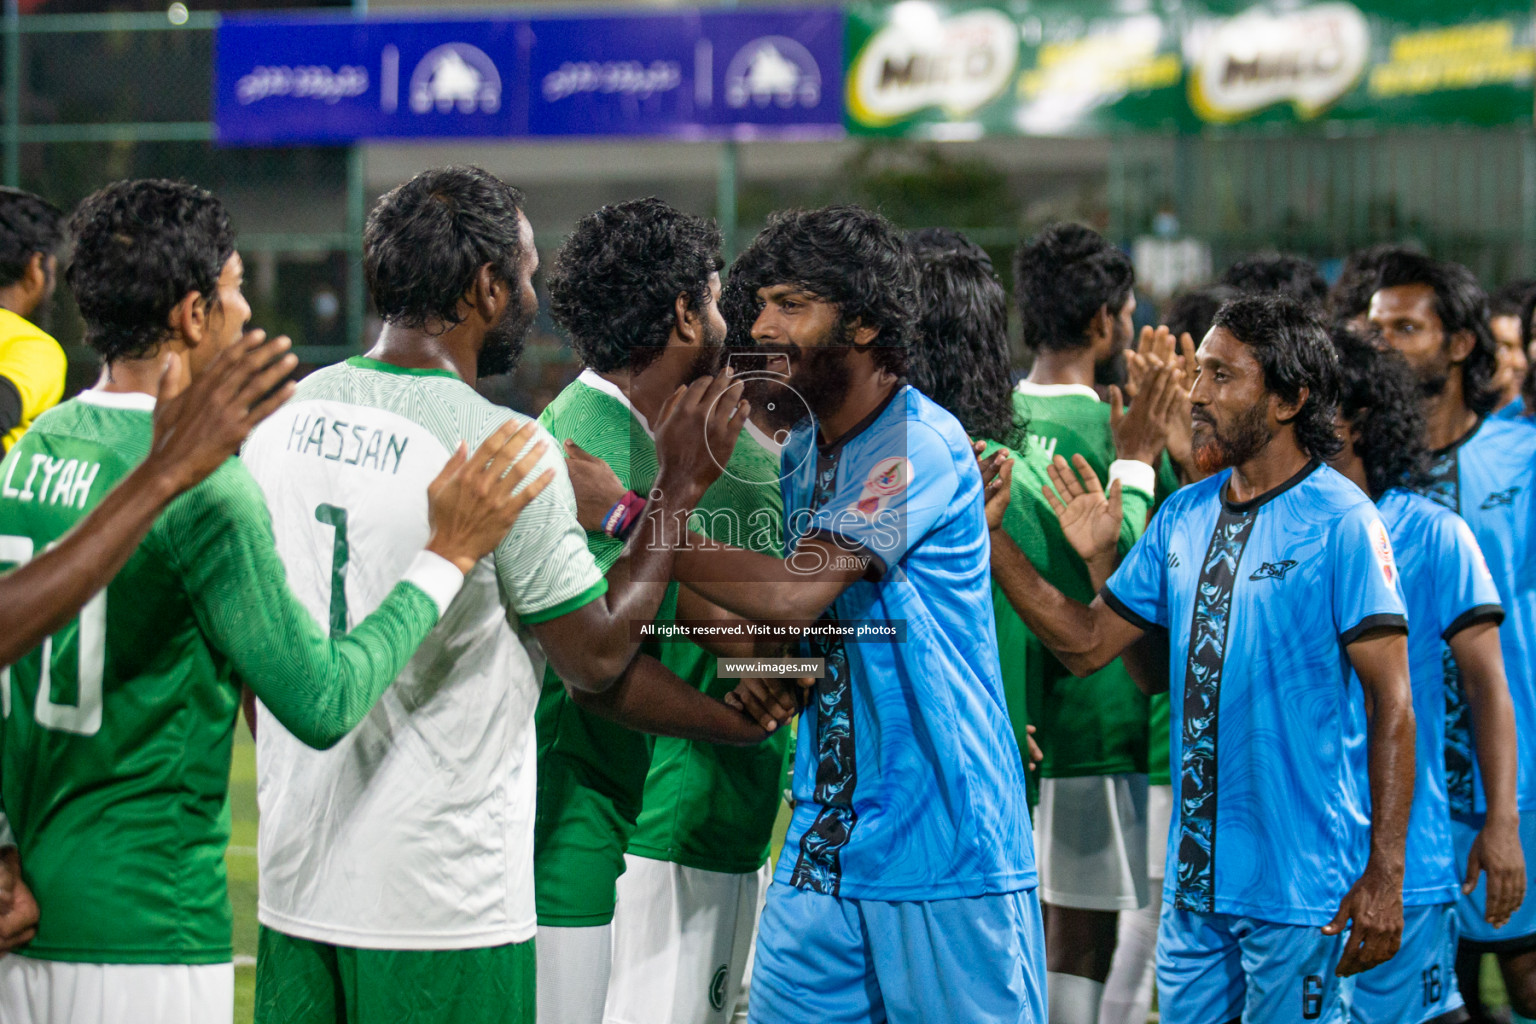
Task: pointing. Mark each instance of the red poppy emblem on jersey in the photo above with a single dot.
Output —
(1382, 547)
(889, 477)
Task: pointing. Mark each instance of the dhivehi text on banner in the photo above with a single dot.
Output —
(687, 73)
(1086, 67)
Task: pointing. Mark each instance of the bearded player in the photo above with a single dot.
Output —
(654, 855)
(889, 901)
(397, 869)
(1436, 315)
(1270, 580)
(117, 731)
(1458, 678)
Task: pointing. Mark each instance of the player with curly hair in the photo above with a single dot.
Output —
(650, 852)
(905, 888)
(115, 755)
(1459, 689)
(1436, 315)
(1255, 591)
(32, 364)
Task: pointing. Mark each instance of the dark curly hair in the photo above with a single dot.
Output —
(1350, 296)
(1292, 346)
(960, 357)
(427, 239)
(1511, 299)
(1061, 278)
(845, 255)
(28, 224)
(1278, 272)
(1191, 312)
(614, 283)
(738, 299)
(139, 248)
(1462, 305)
(1380, 399)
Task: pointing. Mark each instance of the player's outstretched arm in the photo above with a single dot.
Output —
(220, 540)
(648, 697)
(1496, 849)
(197, 427)
(1373, 907)
(1086, 637)
(1090, 518)
(589, 648)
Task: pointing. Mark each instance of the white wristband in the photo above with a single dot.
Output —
(439, 578)
(7, 837)
(1133, 473)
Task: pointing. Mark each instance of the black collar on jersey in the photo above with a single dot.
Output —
(1440, 453)
(1238, 508)
(830, 449)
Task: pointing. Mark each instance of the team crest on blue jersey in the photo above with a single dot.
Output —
(889, 478)
(1500, 499)
(1273, 570)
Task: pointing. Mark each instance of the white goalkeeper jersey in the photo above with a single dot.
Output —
(416, 830)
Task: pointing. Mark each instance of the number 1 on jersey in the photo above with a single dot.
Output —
(335, 517)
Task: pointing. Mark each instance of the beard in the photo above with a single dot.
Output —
(504, 343)
(1433, 385)
(1246, 437)
(1111, 371)
(822, 379)
(711, 355)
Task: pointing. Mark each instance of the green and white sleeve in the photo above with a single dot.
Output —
(218, 537)
(545, 564)
(1138, 482)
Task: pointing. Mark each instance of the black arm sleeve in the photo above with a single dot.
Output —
(10, 406)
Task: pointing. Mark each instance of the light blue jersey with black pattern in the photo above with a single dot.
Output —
(908, 781)
(1486, 479)
(1448, 588)
(1260, 600)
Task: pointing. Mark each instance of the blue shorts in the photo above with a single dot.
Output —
(1419, 983)
(842, 961)
(1214, 968)
(1519, 933)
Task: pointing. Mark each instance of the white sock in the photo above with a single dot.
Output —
(1072, 1000)
(572, 976)
(1128, 989)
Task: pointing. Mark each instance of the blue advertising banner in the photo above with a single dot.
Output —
(736, 73)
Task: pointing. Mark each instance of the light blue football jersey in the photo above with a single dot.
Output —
(1260, 599)
(908, 782)
(1486, 478)
(1448, 588)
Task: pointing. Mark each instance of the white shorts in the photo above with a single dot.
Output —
(1091, 842)
(55, 992)
(682, 938)
(1159, 820)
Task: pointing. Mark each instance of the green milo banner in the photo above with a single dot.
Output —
(1085, 67)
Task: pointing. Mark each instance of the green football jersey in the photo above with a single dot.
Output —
(1026, 663)
(1159, 772)
(708, 806)
(116, 732)
(583, 757)
(1096, 725)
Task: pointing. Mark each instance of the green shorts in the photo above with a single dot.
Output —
(580, 834)
(304, 982)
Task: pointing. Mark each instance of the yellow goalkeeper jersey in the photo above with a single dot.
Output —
(33, 364)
